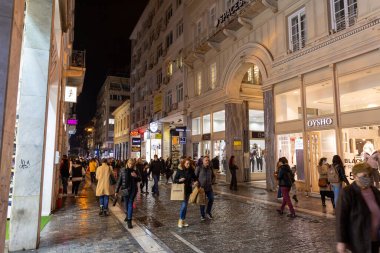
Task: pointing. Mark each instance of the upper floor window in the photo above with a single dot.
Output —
(212, 15)
(213, 75)
(169, 100)
(159, 51)
(343, 13)
(159, 76)
(169, 39)
(199, 83)
(180, 92)
(169, 14)
(253, 75)
(179, 28)
(169, 69)
(179, 2)
(297, 30)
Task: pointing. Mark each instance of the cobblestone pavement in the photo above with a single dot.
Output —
(238, 225)
(77, 227)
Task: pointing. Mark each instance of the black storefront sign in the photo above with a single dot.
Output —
(136, 141)
(258, 135)
(206, 137)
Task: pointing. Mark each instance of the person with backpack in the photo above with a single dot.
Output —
(323, 182)
(336, 176)
(286, 180)
(77, 174)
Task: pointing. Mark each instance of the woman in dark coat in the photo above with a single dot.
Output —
(285, 181)
(185, 175)
(127, 182)
(358, 213)
(233, 168)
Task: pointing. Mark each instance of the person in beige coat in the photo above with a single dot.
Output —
(323, 183)
(103, 188)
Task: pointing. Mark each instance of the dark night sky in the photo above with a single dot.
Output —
(102, 28)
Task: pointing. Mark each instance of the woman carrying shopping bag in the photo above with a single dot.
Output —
(185, 175)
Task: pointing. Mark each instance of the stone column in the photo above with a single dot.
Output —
(270, 151)
(236, 125)
(30, 141)
(11, 32)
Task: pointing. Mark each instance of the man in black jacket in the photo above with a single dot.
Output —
(64, 170)
(155, 169)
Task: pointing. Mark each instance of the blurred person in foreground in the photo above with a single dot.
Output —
(358, 214)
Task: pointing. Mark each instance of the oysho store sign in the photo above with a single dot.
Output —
(230, 12)
(319, 122)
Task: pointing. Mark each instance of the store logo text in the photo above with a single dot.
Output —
(319, 122)
(231, 11)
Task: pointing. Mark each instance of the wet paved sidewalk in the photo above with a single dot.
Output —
(77, 227)
(241, 224)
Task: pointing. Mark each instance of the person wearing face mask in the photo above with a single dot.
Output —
(358, 214)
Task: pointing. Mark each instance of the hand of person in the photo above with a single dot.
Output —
(195, 184)
(182, 179)
(115, 194)
(341, 247)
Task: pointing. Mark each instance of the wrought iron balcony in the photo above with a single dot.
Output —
(78, 59)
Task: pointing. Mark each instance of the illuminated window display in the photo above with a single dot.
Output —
(220, 152)
(291, 147)
(288, 106)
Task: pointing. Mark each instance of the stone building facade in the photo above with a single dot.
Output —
(121, 131)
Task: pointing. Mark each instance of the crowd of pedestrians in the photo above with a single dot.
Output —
(357, 204)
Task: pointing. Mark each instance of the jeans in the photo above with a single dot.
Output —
(155, 186)
(75, 187)
(65, 182)
(259, 163)
(336, 189)
(183, 209)
(279, 194)
(93, 179)
(210, 197)
(286, 199)
(104, 201)
(128, 205)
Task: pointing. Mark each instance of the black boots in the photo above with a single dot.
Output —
(129, 222)
(101, 211)
(295, 198)
(105, 212)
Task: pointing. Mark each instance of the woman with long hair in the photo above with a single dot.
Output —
(185, 175)
(127, 184)
(323, 183)
(338, 167)
(285, 179)
(233, 168)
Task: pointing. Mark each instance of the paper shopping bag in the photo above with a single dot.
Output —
(178, 192)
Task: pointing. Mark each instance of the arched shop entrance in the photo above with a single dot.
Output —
(249, 130)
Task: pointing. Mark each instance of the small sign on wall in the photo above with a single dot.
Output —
(71, 94)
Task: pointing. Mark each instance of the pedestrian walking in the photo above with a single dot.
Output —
(372, 157)
(336, 176)
(358, 213)
(205, 178)
(64, 171)
(233, 168)
(185, 175)
(140, 168)
(293, 189)
(285, 181)
(169, 170)
(128, 186)
(92, 167)
(144, 178)
(155, 169)
(103, 188)
(77, 174)
(279, 195)
(323, 182)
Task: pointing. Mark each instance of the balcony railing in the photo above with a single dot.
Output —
(78, 59)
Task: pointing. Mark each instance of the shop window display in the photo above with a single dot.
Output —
(320, 99)
(288, 106)
(360, 144)
(219, 121)
(291, 147)
(220, 155)
(196, 125)
(196, 150)
(206, 124)
(256, 155)
(360, 90)
(206, 148)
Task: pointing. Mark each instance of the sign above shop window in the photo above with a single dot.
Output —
(182, 140)
(71, 94)
(206, 137)
(136, 141)
(258, 135)
(72, 122)
(153, 127)
(319, 122)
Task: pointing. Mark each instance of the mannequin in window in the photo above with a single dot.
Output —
(259, 159)
(372, 157)
(252, 156)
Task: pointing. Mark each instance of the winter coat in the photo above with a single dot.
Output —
(64, 168)
(205, 177)
(155, 167)
(189, 176)
(342, 176)
(92, 166)
(103, 173)
(233, 168)
(285, 176)
(353, 219)
(323, 170)
(77, 172)
(126, 181)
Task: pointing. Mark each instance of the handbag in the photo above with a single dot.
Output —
(193, 195)
(177, 192)
(322, 182)
(124, 192)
